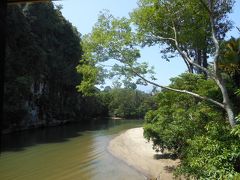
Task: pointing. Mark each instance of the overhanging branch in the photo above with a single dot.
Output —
(178, 90)
(171, 89)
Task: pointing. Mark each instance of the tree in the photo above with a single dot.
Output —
(194, 130)
(173, 13)
(179, 117)
(113, 38)
(229, 61)
(155, 20)
(126, 102)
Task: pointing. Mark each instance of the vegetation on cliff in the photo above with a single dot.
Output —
(42, 52)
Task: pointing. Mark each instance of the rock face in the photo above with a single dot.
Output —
(38, 110)
(42, 52)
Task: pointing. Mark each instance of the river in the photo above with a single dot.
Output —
(73, 151)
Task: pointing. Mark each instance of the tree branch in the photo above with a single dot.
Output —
(168, 88)
(216, 44)
(238, 28)
(158, 38)
(163, 38)
(186, 57)
(188, 65)
(178, 90)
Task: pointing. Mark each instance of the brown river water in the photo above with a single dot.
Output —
(73, 152)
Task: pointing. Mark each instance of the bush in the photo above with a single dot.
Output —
(195, 130)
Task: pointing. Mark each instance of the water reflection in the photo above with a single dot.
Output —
(73, 151)
(19, 140)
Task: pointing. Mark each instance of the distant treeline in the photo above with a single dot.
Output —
(127, 102)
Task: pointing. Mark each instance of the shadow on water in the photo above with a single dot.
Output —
(18, 141)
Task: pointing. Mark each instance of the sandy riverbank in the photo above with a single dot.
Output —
(132, 148)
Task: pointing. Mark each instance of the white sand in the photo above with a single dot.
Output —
(132, 148)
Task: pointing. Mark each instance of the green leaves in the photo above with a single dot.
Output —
(181, 26)
(127, 102)
(89, 75)
(112, 49)
(212, 155)
(230, 57)
(236, 130)
(155, 19)
(196, 131)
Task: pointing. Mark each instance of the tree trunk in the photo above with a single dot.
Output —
(204, 61)
(226, 102)
(231, 116)
(218, 77)
(199, 60)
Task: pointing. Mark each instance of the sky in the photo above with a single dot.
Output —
(83, 14)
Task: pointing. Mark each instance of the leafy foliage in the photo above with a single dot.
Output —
(212, 155)
(111, 39)
(126, 102)
(196, 131)
(157, 20)
(169, 23)
(230, 60)
(179, 116)
(193, 129)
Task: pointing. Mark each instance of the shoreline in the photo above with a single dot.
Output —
(131, 147)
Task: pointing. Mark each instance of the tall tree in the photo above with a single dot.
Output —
(156, 19)
(113, 38)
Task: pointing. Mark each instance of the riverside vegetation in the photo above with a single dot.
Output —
(195, 116)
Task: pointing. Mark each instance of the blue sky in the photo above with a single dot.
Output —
(83, 14)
